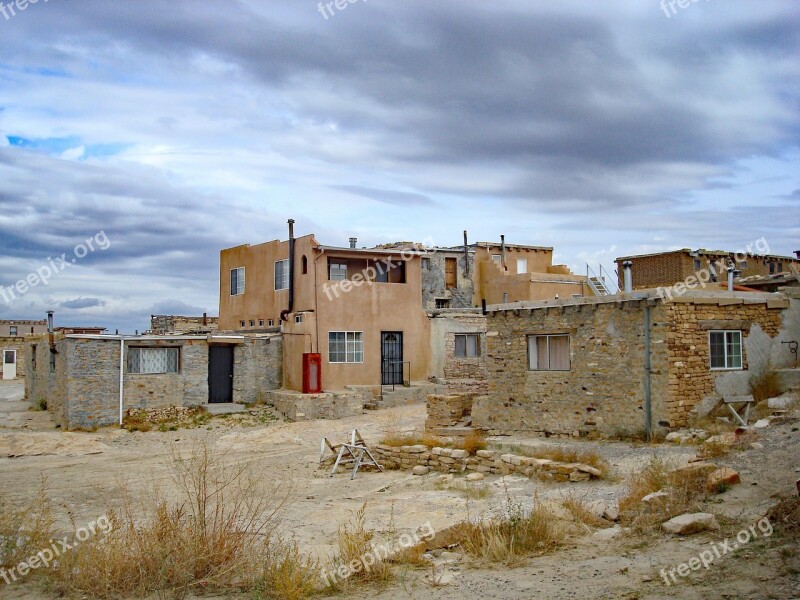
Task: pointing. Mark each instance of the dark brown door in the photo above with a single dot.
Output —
(450, 266)
(220, 374)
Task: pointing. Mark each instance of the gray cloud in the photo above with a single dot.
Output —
(82, 303)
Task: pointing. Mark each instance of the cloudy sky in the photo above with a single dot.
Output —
(179, 128)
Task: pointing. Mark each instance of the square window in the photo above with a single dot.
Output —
(725, 349)
(337, 269)
(153, 361)
(548, 353)
(237, 281)
(298, 318)
(282, 274)
(252, 323)
(697, 264)
(442, 303)
(498, 258)
(468, 345)
(345, 347)
(12, 331)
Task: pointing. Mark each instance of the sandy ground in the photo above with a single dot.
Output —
(84, 473)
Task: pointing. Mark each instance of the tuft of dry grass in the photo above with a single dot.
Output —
(565, 455)
(579, 511)
(510, 536)
(396, 440)
(25, 529)
(354, 543)
(786, 516)
(685, 491)
(216, 536)
(474, 441)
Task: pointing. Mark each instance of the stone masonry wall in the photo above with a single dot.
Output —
(450, 460)
(690, 377)
(92, 382)
(447, 410)
(44, 385)
(604, 389)
(257, 369)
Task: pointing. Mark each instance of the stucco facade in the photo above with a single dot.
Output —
(14, 338)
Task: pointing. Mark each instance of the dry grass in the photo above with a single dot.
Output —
(396, 440)
(25, 529)
(474, 441)
(511, 536)
(786, 516)
(764, 386)
(354, 543)
(686, 490)
(579, 511)
(564, 455)
(217, 536)
(139, 421)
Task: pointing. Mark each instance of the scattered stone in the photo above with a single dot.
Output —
(692, 470)
(447, 478)
(677, 437)
(418, 449)
(726, 439)
(691, 523)
(579, 476)
(757, 446)
(420, 470)
(784, 402)
(722, 476)
(611, 513)
(597, 473)
(459, 454)
(606, 535)
(475, 477)
(655, 497)
(761, 424)
(647, 578)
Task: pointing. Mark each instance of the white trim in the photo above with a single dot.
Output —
(725, 350)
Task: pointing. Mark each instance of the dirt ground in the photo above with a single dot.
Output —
(84, 472)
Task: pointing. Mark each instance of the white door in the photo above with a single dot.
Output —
(9, 364)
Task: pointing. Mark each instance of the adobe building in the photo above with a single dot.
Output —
(663, 269)
(584, 366)
(13, 337)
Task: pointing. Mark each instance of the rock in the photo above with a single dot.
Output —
(727, 439)
(486, 454)
(647, 578)
(691, 523)
(597, 508)
(420, 470)
(459, 454)
(611, 513)
(418, 449)
(579, 476)
(677, 437)
(596, 473)
(784, 402)
(475, 477)
(606, 535)
(655, 497)
(757, 446)
(761, 424)
(722, 476)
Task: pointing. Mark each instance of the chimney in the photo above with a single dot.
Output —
(731, 275)
(466, 254)
(797, 253)
(628, 276)
(49, 321)
(353, 242)
(205, 319)
(503, 251)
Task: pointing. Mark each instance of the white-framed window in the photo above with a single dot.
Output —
(337, 269)
(261, 322)
(237, 281)
(271, 323)
(252, 323)
(522, 265)
(12, 331)
(725, 349)
(153, 361)
(468, 345)
(298, 318)
(498, 258)
(346, 347)
(282, 274)
(548, 352)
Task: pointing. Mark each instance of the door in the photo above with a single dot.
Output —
(220, 374)
(391, 357)
(450, 267)
(9, 364)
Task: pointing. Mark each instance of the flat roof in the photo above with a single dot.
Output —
(394, 252)
(704, 252)
(500, 245)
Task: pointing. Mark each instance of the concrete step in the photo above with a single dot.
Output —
(228, 408)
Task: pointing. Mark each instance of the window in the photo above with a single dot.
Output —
(426, 264)
(237, 281)
(468, 345)
(548, 353)
(153, 361)
(345, 347)
(242, 323)
(337, 270)
(282, 274)
(12, 331)
(261, 322)
(305, 265)
(725, 349)
(522, 265)
(742, 264)
(271, 323)
(33, 357)
(382, 268)
(442, 303)
(298, 318)
(252, 323)
(498, 258)
(697, 264)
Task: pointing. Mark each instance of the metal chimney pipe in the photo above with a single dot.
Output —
(353, 242)
(797, 253)
(290, 309)
(466, 254)
(628, 276)
(503, 251)
(731, 274)
(49, 321)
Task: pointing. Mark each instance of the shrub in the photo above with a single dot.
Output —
(764, 386)
(25, 529)
(474, 441)
(354, 543)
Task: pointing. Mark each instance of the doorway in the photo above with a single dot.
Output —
(9, 364)
(450, 275)
(391, 357)
(220, 374)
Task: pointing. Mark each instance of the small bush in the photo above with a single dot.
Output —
(354, 543)
(474, 441)
(577, 508)
(25, 529)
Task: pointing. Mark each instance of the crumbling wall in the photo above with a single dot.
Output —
(447, 410)
(460, 374)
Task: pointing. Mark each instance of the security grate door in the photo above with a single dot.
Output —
(391, 357)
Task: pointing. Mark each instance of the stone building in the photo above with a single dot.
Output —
(458, 350)
(578, 366)
(670, 268)
(14, 336)
(174, 324)
(80, 381)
